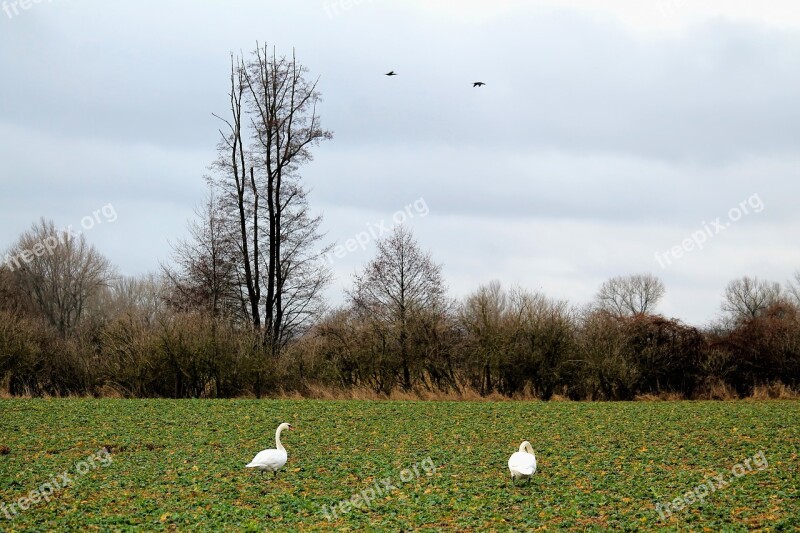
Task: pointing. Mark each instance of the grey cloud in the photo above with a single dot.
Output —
(590, 147)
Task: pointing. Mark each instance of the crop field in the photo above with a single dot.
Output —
(398, 466)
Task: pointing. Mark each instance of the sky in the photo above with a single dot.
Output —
(611, 138)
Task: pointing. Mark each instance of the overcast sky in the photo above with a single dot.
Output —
(603, 136)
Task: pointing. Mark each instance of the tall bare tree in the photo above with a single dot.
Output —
(204, 274)
(793, 289)
(636, 294)
(482, 315)
(400, 285)
(273, 126)
(238, 189)
(747, 297)
(60, 273)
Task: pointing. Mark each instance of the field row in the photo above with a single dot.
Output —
(391, 466)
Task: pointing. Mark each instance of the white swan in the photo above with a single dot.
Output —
(274, 459)
(522, 464)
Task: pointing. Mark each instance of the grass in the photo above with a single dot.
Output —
(179, 465)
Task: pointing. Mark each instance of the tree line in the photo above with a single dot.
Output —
(77, 328)
(238, 308)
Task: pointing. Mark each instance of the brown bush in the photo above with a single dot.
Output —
(764, 349)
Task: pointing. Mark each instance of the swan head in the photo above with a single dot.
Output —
(285, 425)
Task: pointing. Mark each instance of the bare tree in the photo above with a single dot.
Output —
(142, 296)
(630, 295)
(204, 273)
(272, 128)
(11, 298)
(747, 297)
(59, 273)
(400, 285)
(239, 188)
(793, 289)
(481, 315)
(304, 276)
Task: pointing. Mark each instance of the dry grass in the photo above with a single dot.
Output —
(717, 390)
(112, 391)
(660, 397)
(321, 392)
(559, 398)
(774, 391)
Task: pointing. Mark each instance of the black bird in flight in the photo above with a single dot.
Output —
(478, 84)
(391, 73)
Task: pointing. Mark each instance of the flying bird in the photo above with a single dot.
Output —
(478, 84)
(271, 460)
(522, 464)
(391, 73)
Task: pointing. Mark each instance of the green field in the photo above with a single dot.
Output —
(179, 465)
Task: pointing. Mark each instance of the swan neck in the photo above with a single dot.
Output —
(526, 447)
(278, 444)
